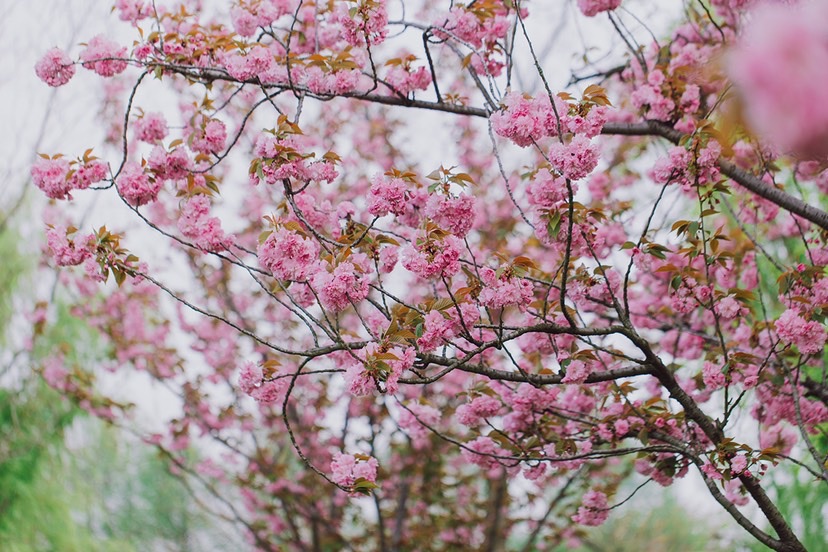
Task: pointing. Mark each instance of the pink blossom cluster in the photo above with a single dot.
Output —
(480, 408)
(258, 63)
(808, 336)
(650, 99)
(439, 327)
(57, 177)
(713, 376)
(577, 371)
(729, 10)
(132, 10)
(136, 186)
(283, 158)
(591, 8)
(197, 225)
(55, 373)
(576, 159)
(504, 291)
(364, 22)
(728, 307)
(682, 167)
(320, 81)
(105, 57)
(386, 195)
(249, 15)
(68, 252)
(433, 258)
(777, 64)
(151, 127)
(345, 284)
(482, 33)
(55, 68)
(403, 79)
(589, 125)
(170, 165)
(289, 256)
(546, 190)
(454, 214)
(253, 383)
(414, 420)
(469, 27)
(483, 452)
(594, 510)
(525, 120)
(208, 137)
(739, 465)
(364, 377)
(387, 258)
(346, 469)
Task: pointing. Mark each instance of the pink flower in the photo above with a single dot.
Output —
(738, 464)
(432, 258)
(526, 120)
(413, 420)
(808, 336)
(546, 190)
(441, 326)
(378, 369)
(339, 288)
(137, 187)
(591, 8)
(483, 452)
(576, 159)
(196, 224)
(387, 195)
(55, 68)
(88, 174)
(173, 165)
(288, 255)
(728, 308)
(270, 392)
(50, 175)
(504, 291)
(778, 63)
(594, 510)
(209, 138)
(650, 99)
(577, 371)
(590, 126)
(347, 470)
(481, 407)
(132, 10)
(55, 373)
(404, 80)
(711, 471)
(388, 257)
(363, 22)
(57, 177)
(252, 382)
(250, 377)
(151, 128)
(104, 57)
(713, 376)
(65, 251)
(455, 214)
(244, 22)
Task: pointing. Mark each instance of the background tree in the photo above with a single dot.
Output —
(470, 331)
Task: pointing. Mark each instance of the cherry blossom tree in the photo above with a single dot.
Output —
(406, 290)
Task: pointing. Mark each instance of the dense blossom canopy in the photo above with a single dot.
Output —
(372, 251)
